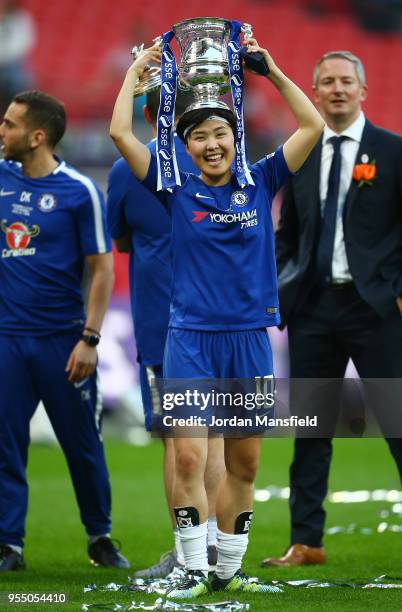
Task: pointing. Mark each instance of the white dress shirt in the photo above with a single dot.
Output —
(349, 149)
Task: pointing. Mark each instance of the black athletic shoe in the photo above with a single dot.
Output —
(10, 560)
(192, 585)
(241, 582)
(104, 552)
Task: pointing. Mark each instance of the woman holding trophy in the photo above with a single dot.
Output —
(224, 287)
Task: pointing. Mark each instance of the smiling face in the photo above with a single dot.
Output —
(211, 147)
(14, 133)
(338, 92)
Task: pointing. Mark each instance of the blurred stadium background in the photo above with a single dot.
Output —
(78, 50)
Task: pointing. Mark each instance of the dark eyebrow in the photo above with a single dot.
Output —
(198, 132)
(343, 77)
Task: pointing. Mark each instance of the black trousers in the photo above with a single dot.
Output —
(334, 325)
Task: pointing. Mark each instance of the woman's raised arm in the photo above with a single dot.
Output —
(297, 148)
(135, 153)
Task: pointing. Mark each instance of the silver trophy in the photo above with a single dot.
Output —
(151, 79)
(203, 66)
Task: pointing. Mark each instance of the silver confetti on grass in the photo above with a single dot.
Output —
(381, 582)
(145, 585)
(349, 529)
(234, 606)
(382, 527)
(377, 583)
(352, 497)
(335, 497)
(161, 606)
(158, 585)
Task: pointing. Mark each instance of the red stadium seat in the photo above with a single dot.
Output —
(75, 37)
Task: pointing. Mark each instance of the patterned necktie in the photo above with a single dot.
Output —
(327, 235)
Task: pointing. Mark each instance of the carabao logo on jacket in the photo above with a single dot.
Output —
(18, 237)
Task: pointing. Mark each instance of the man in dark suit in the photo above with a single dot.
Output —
(339, 256)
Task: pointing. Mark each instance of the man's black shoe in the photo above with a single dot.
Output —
(10, 560)
(104, 552)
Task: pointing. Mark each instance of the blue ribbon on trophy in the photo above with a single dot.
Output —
(168, 172)
(236, 73)
(222, 70)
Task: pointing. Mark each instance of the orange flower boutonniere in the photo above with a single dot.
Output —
(365, 173)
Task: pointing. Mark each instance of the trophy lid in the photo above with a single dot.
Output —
(198, 23)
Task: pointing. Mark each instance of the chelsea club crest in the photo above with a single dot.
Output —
(47, 202)
(239, 198)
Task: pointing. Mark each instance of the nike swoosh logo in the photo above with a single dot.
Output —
(79, 384)
(6, 193)
(200, 195)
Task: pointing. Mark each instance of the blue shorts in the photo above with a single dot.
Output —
(203, 354)
(210, 377)
(149, 393)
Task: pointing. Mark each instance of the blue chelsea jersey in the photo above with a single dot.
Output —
(133, 209)
(47, 227)
(224, 270)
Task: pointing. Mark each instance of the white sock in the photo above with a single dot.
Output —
(178, 546)
(231, 550)
(212, 530)
(94, 538)
(17, 549)
(194, 543)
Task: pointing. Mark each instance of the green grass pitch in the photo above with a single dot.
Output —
(56, 545)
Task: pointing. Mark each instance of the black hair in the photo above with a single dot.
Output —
(183, 100)
(44, 112)
(197, 116)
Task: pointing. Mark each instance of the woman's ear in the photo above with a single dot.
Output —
(147, 116)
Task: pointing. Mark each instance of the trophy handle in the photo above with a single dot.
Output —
(247, 31)
(136, 50)
(151, 78)
(158, 40)
(254, 61)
